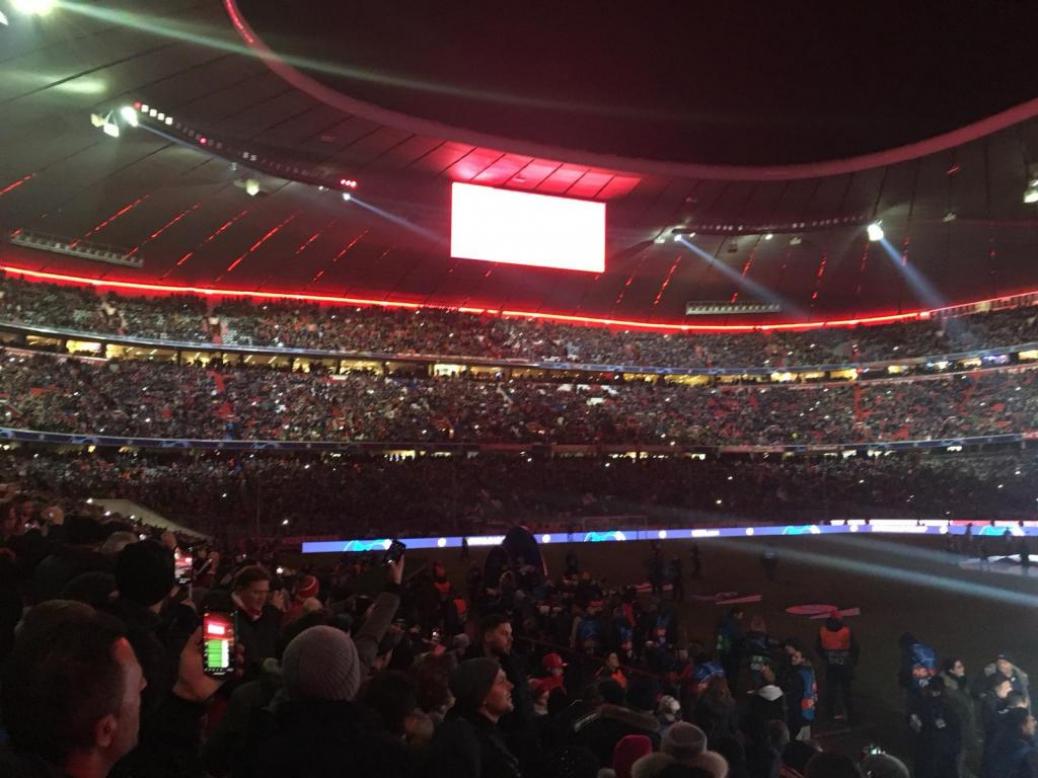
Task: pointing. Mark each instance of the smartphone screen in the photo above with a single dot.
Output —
(218, 636)
(183, 568)
(394, 552)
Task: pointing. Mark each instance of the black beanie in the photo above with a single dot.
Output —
(144, 572)
(471, 682)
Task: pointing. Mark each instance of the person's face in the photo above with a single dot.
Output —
(255, 594)
(1005, 667)
(499, 700)
(116, 734)
(499, 639)
(958, 669)
(768, 674)
(613, 661)
(796, 657)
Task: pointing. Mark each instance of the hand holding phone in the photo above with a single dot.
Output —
(219, 640)
(193, 683)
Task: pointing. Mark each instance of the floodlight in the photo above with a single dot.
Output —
(949, 217)
(252, 187)
(678, 236)
(346, 196)
(3, 19)
(110, 128)
(169, 120)
(768, 236)
(97, 120)
(33, 7)
(129, 115)
(1031, 195)
(875, 231)
(660, 239)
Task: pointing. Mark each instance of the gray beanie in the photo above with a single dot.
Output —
(471, 682)
(684, 741)
(321, 663)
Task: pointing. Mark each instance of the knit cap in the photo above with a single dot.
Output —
(471, 682)
(628, 750)
(307, 587)
(321, 663)
(684, 741)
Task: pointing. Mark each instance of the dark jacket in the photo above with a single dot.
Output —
(601, 730)
(469, 745)
(717, 718)
(227, 746)
(938, 736)
(318, 739)
(14, 764)
(1010, 755)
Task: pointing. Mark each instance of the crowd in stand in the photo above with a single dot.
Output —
(370, 496)
(155, 399)
(513, 674)
(432, 331)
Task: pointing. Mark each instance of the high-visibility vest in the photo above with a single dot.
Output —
(838, 640)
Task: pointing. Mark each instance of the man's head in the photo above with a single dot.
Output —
(684, 742)
(496, 630)
(955, 667)
(1001, 686)
(76, 685)
(1004, 666)
(252, 585)
(796, 656)
(144, 572)
(481, 686)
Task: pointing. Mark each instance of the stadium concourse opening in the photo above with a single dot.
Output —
(491, 393)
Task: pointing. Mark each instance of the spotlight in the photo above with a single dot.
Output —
(875, 231)
(97, 120)
(129, 115)
(768, 236)
(950, 216)
(33, 7)
(252, 187)
(346, 196)
(678, 237)
(1031, 194)
(3, 19)
(795, 240)
(660, 239)
(169, 120)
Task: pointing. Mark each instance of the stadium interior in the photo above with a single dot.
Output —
(745, 298)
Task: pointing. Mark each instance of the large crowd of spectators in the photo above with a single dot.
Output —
(450, 333)
(158, 399)
(512, 674)
(232, 494)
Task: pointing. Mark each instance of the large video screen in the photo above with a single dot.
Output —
(501, 225)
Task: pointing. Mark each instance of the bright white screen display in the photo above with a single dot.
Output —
(500, 225)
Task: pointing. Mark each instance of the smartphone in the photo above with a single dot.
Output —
(219, 636)
(183, 568)
(394, 552)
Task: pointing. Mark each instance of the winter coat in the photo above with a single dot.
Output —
(469, 745)
(313, 739)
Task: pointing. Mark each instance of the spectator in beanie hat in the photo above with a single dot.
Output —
(322, 670)
(470, 744)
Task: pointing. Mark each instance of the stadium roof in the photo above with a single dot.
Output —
(757, 149)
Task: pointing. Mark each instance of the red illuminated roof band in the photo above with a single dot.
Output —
(564, 318)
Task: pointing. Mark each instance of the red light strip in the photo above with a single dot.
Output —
(219, 230)
(563, 318)
(117, 215)
(666, 280)
(165, 227)
(15, 184)
(270, 234)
